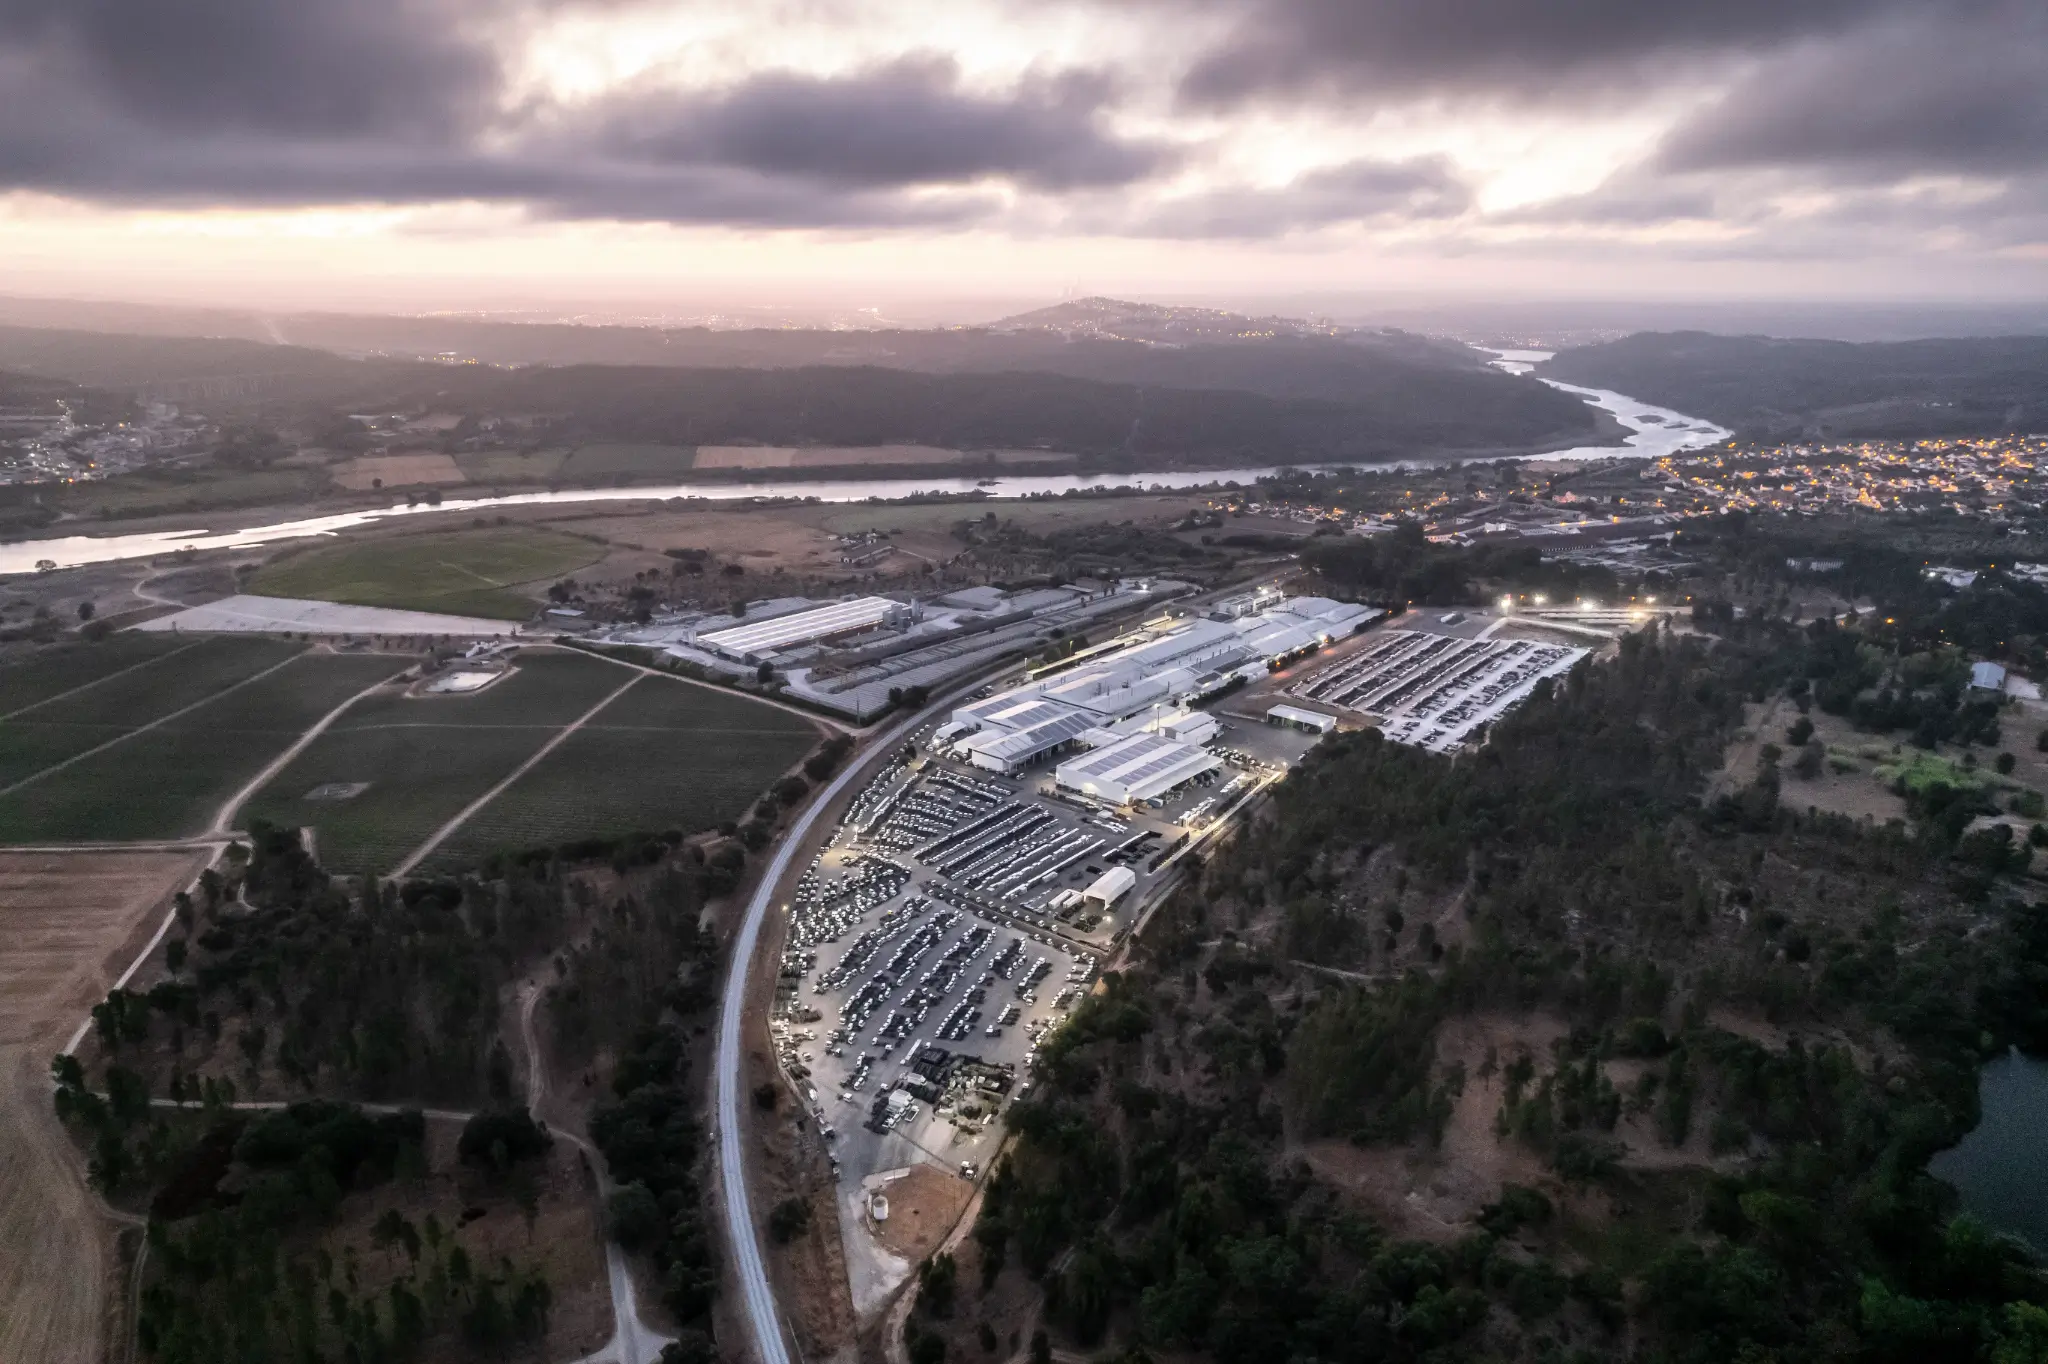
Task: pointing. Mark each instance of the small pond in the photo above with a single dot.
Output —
(2001, 1168)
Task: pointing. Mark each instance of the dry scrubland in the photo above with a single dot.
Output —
(69, 924)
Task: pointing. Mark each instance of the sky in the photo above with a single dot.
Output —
(889, 154)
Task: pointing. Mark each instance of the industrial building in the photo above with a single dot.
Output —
(756, 640)
(1302, 719)
(1138, 768)
(1142, 689)
(1110, 887)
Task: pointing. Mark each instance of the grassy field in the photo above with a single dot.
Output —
(160, 491)
(169, 781)
(64, 726)
(424, 758)
(464, 573)
(666, 755)
(588, 463)
(75, 663)
(510, 466)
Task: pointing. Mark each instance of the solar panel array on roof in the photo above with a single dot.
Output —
(1105, 760)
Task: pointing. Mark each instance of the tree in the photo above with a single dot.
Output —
(499, 1138)
(788, 1220)
(393, 1229)
(635, 1217)
(935, 1283)
(690, 1346)
(2006, 763)
(85, 610)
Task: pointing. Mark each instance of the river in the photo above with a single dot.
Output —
(1654, 431)
(2000, 1168)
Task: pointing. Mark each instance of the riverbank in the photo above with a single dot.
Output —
(1651, 432)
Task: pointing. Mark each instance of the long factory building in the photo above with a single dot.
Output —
(756, 640)
(1129, 707)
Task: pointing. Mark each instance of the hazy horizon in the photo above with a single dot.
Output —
(1561, 319)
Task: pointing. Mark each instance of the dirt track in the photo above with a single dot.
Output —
(69, 925)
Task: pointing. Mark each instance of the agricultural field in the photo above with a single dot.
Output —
(667, 755)
(419, 760)
(168, 781)
(587, 463)
(463, 572)
(158, 491)
(69, 924)
(51, 672)
(510, 466)
(71, 717)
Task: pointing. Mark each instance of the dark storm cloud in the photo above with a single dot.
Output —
(907, 123)
(1423, 188)
(298, 67)
(281, 102)
(1398, 49)
(1924, 95)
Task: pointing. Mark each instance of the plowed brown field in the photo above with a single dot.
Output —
(69, 925)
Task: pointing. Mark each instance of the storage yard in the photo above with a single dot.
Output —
(1436, 690)
(971, 891)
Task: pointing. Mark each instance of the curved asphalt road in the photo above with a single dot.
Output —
(769, 1344)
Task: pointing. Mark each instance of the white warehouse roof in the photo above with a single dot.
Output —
(1111, 886)
(1311, 719)
(1004, 750)
(1137, 769)
(862, 613)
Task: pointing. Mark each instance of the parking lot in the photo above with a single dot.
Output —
(1436, 686)
(941, 934)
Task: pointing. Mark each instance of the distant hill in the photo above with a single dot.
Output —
(1268, 395)
(1091, 339)
(1117, 425)
(1119, 319)
(175, 366)
(37, 395)
(1765, 388)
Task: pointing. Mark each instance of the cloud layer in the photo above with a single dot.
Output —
(1759, 126)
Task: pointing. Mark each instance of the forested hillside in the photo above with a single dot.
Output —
(1534, 1054)
(333, 1221)
(1765, 388)
(1123, 403)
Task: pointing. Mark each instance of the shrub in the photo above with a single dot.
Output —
(788, 1220)
(500, 1138)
